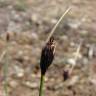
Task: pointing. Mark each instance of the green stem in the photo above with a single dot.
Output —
(41, 85)
(5, 78)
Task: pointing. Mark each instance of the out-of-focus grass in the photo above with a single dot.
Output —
(5, 79)
(21, 5)
(5, 70)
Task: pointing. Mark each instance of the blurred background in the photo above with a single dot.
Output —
(24, 27)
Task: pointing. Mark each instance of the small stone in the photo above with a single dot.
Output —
(36, 18)
(34, 36)
(64, 37)
(26, 58)
(32, 85)
(84, 32)
(92, 81)
(18, 71)
(74, 25)
(53, 21)
(71, 61)
(13, 83)
(72, 44)
(91, 52)
(20, 53)
(74, 80)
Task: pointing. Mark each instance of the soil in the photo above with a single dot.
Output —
(24, 27)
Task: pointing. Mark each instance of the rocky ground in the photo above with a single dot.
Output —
(24, 27)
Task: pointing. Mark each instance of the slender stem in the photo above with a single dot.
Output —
(56, 25)
(76, 56)
(5, 72)
(5, 79)
(41, 85)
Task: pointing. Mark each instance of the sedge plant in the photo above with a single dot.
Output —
(47, 54)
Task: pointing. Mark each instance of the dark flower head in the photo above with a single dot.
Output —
(51, 40)
(47, 55)
(7, 36)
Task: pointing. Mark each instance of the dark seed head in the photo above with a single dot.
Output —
(7, 37)
(66, 75)
(47, 55)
